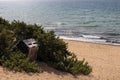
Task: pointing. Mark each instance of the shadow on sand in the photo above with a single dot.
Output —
(51, 70)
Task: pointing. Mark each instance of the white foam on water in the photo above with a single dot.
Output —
(84, 39)
(91, 36)
(50, 28)
(99, 41)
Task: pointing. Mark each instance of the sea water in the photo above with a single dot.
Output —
(82, 20)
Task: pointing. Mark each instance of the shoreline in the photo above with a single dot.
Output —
(110, 44)
(92, 39)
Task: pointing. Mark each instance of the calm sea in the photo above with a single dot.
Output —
(94, 21)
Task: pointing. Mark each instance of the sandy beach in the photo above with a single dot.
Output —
(104, 59)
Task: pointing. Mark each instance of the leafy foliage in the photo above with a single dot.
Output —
(6, 40)
(18, 61)
(4, 22)
(74, 66)
(52, 49)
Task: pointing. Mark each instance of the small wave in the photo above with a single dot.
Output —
(56, 23)
(61, 23)
(90, 26)
(88, 22)
(112, 34)
(99, 41)
(117, 23)
(91, 36)
(84, 39)
(50, 28)
(114, 42)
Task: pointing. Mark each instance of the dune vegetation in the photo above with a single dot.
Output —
(52, 49)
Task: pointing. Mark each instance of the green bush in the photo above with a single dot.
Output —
(73, 65)
(6, 41)
(18, 61)
(52, 49)
(4, 22)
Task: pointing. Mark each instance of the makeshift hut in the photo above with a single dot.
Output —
(28, 46)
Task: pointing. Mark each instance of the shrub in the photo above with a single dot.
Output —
(4, 22)
(73, 65)
(6, 40)
(52, 50)
(18, 61)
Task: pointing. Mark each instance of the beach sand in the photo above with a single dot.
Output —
(104, 59)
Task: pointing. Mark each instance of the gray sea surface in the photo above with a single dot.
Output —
(94, 21)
